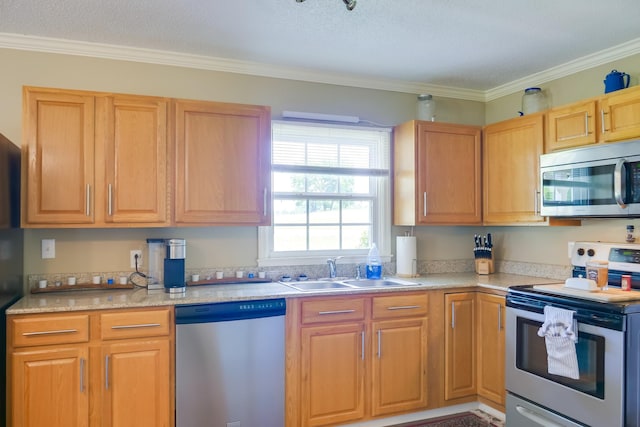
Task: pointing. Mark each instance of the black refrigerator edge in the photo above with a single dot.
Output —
(11, 248)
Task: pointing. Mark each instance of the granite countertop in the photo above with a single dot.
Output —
(141, 297)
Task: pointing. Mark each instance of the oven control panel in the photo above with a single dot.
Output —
(621, 256)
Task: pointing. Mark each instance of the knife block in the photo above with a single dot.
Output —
(484, 266)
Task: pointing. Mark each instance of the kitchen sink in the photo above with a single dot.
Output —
(378, 283)
(318, 285)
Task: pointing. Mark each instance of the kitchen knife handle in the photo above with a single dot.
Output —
(82, 361)
(424, 204)
(109, 200)
(106, 372)
(87, 202)
(379, 343)
(453, 315)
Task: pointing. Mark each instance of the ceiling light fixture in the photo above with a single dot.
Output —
(351, 4)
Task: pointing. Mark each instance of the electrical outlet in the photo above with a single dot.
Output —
(48, 248)
(133, 258)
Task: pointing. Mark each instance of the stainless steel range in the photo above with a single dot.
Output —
(604, 388)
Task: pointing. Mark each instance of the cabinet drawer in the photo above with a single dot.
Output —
(333, 310)
(134, 324)
(400, 306)
(49, 329)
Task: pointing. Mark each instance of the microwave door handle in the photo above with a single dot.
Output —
(617, 184)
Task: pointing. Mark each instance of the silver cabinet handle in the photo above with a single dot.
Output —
(499, 317)
(602, 121)
(536, 195)
(536, 418)
(141, 325)
(379, 343)
(109, 200)
(106, 372)
(82, 361)
(264, 202)
(586, 124)
(618, 191)
(362, 345)
(403, 307)
(453, 315)
(322, 313)
(424, 204)
(87, 207)
(53, 332)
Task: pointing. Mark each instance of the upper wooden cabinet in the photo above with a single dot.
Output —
(93, 160)
(511, 169)
(437, 178)
(612, 117)
(222, 164)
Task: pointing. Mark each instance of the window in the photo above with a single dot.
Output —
(330, 186)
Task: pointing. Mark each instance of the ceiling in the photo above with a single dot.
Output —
(469, 47)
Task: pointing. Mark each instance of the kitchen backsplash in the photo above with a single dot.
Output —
(320, 271)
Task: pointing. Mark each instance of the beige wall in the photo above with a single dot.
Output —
(80, 250)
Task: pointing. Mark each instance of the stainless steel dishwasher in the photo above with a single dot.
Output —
(230, 364)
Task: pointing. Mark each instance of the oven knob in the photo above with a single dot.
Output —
(591, 252)
(580, 251)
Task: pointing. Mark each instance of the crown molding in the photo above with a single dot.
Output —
(179, 59)
(605, 56)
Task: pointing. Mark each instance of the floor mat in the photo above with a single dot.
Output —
(463, 419)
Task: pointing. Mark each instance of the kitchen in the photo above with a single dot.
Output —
(80, 251)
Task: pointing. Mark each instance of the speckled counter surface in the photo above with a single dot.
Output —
(141, 297)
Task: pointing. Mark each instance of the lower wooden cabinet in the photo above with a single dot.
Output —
(355, 358)
(110, 368)
(491, 347)
(460, 345)
(475, 347)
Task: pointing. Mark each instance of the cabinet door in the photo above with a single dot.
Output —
(448, 178)
(460, 345)
(399, 366)
(511, 168)
(223, 154)
(571, 126)
(620, 115)
(49, 387)
(332, 373)
(58, 156)
(491, 347)
(134, 139)
(135, 378)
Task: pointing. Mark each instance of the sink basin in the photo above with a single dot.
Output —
(378, 283)
(319, 285)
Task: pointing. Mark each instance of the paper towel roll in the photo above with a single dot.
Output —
(406, 258)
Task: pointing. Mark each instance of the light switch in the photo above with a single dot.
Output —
(48, 248)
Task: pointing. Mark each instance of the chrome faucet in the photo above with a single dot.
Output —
(332, 267)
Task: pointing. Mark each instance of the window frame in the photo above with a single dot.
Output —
(380, 220)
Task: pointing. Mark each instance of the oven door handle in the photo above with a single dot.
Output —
(535, 417)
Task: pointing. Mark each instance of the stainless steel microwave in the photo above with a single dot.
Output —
(594, 181)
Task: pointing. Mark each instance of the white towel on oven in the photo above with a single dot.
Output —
(560, 339)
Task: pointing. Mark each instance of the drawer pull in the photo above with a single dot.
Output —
(58, 331)
(322, 313)
(140, 325)
(404, 307)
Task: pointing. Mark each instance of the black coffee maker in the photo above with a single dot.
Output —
(174, 280)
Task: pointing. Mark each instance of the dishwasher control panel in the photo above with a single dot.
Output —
(230, 310)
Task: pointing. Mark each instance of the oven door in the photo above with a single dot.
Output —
(596, 398)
